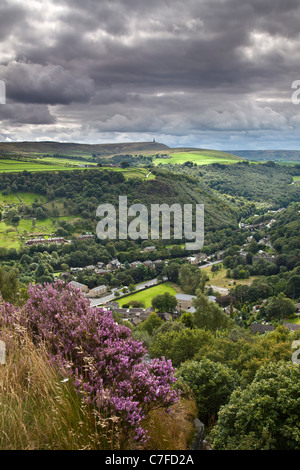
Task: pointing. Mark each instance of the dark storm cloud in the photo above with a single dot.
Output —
(50, 84)
(137, 67)
(19, 114)
(10, 17)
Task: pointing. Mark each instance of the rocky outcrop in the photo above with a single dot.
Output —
(199, 442)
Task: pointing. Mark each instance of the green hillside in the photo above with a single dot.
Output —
(200, 157)
(58, 152)
(75, 149)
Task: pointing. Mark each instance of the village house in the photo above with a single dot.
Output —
(111, 305)
(135, 264)
(192, 260)
(263, 241)
(75, 270)
(98, 291)
(254, 226)
(157, 261)
(261, 328)
(184, 301)
(220, 254)
(114, 264)
(149, 263)
(57, 240)
(77, 285)
(134, 315)
(165, 316)
(101, 271)
(43, 241)
(263, 255)
(85, 237)
(35, 241)
(149, 248)
(292, 326)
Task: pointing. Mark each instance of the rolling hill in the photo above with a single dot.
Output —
(281, 156)
(108, 150)
(73, 149)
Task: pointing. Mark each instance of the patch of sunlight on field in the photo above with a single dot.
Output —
(201, 158)
(147, 295)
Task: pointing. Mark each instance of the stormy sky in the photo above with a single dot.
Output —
(199, 73)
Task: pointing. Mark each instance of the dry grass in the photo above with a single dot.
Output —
(219, 279)
(174, 430)
(39, 410)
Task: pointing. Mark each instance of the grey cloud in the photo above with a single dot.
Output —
(19, 114)
(51, 84)
(11, 16)
(173, 68)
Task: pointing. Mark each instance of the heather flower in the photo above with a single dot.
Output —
(104, 360)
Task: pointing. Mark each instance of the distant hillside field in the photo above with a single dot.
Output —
(280, 156)
(75, 149)
(201, 157)
(12, 166)
(74, 154)
(17, 166)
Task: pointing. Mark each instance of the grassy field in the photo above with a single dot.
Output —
(9, 237)
(138, 173)
(219, 278)
(25, 198)
(204, 157)
(296, 321)
(42, 227)
(15, 166)
(147, 295)
(65, 161)
(11, 234)
(296, 178)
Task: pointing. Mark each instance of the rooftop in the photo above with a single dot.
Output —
(185, 297)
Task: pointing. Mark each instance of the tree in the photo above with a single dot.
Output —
(172, 271)
(215, 268)
(151, 324)
(192, 278)
(187, 319)
(179, 345)
(263, 416)
(279, 307)
(9, 285)
(211, 383)
(209, 315)
(164, 303)
(293, 286)
(226, 300)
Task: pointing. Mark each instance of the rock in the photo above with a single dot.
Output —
(199, 435)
